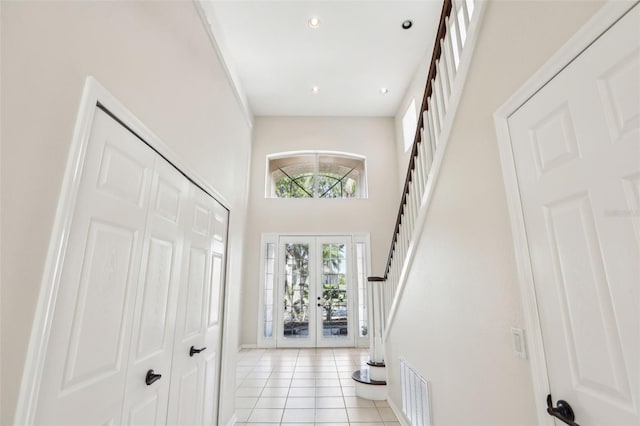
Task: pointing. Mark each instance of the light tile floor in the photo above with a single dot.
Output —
(304, 386)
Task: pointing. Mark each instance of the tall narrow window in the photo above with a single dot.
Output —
(269, 266)
(316, 175)
(361, 272)
(409, 125)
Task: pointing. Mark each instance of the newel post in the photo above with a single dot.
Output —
(375, 296)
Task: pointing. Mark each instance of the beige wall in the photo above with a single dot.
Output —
(414, 91)
(155, 58)
(462, 294)
(371, 137)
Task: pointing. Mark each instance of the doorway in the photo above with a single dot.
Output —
(315, 286)
(570, 158)
(118, 337)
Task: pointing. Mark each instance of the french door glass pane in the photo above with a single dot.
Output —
(334, 291)
(269, 270)
(296, 291)
(361, 273)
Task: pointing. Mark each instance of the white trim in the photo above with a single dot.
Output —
(210, 25)
(233, 420)
(92, 95)
(268, 184)
(362, 342)
(434, 173)
(38, 342)
(247, 346)
(596, 26)
(398, 412)
(266, 342)
(284, 154)
(275, 238)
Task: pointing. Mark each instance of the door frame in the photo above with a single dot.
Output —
(352, 293)
(263, 341)
(280, 341)
(599, 23)
(315, 268)
(273, 238)
(93, 96)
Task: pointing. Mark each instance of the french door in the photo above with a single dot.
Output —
(315, 292)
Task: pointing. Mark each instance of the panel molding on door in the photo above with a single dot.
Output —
(77, 374)
(569, 142)
(91, 329)
(193, 398)
(155, 313)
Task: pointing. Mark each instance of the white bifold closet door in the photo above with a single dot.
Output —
(195, 372)
(156, 301)
(141, 282)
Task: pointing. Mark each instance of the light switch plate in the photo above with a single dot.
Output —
(518, 342)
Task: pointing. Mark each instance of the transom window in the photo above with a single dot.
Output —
(316, 175)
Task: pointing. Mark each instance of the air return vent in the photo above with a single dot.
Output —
(415, 395)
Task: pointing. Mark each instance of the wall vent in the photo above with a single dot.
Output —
(415, 395)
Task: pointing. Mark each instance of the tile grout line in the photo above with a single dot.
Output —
(315, 363)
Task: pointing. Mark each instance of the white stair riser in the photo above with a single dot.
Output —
(371, 392)
(378, 373)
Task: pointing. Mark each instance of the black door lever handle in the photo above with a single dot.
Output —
(562, 411)
(194, 351)
(152, 377)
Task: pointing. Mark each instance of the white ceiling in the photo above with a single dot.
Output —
(359, 48)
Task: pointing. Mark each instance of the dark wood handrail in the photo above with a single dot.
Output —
(437, 52)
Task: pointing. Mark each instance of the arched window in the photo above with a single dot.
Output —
(316, 175)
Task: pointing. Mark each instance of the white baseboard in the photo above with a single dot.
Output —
(232, 421)
(398, 412)
(247, 346)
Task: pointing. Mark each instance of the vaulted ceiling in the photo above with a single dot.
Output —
(358, 49)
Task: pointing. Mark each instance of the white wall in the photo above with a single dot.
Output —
(414, 91)
(462, 295)
(154, 57)
(371, 137)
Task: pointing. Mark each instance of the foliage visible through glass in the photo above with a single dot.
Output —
(299, 186)
(330, 185)
(296, 291)
(334, 291)
(269, 264)
(321, 177)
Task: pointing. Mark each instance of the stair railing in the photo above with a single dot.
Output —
(447, 71)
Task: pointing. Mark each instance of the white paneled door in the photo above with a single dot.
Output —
(576, 146)
(196, 352)
(85, 370)
(141, 286)
(155, 311)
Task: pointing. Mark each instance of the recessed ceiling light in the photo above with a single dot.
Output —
(406, 24)
(315, 90)
(314, 22)
(384, 90)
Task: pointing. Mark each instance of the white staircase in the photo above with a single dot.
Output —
(371, 379)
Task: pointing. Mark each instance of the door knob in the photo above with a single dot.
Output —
(194, 351)
(562, 411)
(152, 377)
